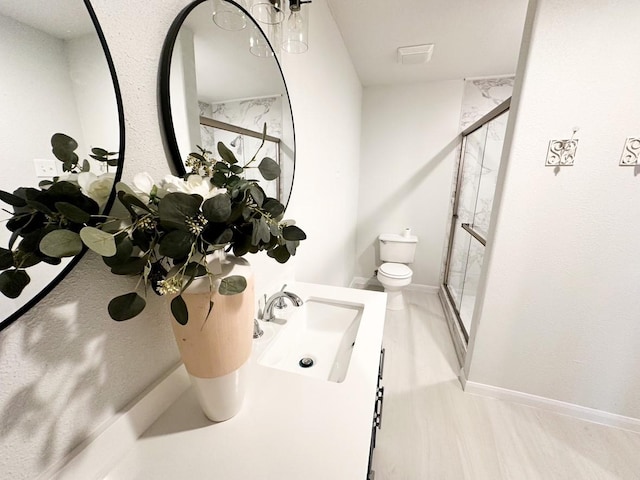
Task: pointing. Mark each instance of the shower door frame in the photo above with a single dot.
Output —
(454, 321)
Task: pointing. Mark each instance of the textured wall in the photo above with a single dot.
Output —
(409, 139)
(66, 367)
(560, 312)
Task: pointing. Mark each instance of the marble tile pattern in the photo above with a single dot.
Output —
(251, 114)
(432, 429)
(478, 183)
(479, 97)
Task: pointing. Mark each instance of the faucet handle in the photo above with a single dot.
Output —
(280, 303)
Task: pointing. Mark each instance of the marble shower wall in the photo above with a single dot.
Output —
(251, 114)
(478, 180)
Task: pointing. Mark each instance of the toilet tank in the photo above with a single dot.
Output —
(397, 248)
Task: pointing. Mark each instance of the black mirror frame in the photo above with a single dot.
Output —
(116, 87)
(164, 97)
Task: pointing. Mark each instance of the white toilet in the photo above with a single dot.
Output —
(396, 251)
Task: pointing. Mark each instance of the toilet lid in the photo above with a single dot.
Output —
(395, 270)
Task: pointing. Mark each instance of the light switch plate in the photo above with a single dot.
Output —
(45, 168)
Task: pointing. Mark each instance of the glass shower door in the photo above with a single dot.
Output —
(476, 184)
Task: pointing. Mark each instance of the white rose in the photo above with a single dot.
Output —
(69, 177)
(143, 185)
(96, 187)
(195, 184)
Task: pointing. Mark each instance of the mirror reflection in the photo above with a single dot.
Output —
(55, 78)
(222, 88)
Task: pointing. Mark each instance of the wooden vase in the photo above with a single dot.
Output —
(216, 348)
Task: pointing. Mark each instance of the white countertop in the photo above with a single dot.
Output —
(290, 426)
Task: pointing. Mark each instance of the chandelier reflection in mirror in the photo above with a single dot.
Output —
(286, 27)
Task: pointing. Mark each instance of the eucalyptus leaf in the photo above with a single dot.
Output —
(124, 249)
(195, 269)
(273, 207)
(100, 152)
(61, 243)
(237, 169)
(232, 285)
(102, 243)
(226, 154)
(126, 306)
(63, 148)
(225, 237)
(260, 232)
(6, 259)
(217, 209)
(176, 244)
(257, 194)
(39, 206)
(291, 232)
(221, 167)
(12, 200)
(269, 168)
(179, 310)
(292, 246)
(73, 213)
(280, 254)
(219, 179)
(130, 266)
(12, 282)
(175, 208)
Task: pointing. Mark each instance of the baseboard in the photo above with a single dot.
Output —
(549, 404)
(94, 458)
(363, 283)
(416, 287)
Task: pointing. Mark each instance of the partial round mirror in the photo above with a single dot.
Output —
(57, 77)
(225, 85)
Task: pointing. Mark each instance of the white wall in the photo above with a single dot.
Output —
(560, 312)
(36, 93)
(65, 366)
(94, 95)
(409, 139)
(326, 98)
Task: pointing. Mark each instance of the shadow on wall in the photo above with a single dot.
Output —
(67, 358)
(66, 368)
(411, 184)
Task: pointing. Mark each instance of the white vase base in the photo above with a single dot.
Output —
(221, 397)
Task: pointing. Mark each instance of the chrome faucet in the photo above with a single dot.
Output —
(277, 301)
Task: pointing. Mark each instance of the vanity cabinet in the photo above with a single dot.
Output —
(286, 429)
(377, 415)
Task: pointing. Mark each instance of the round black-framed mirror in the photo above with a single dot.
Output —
(56, 51)
(212, 88)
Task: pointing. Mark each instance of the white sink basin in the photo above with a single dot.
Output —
(317, 340)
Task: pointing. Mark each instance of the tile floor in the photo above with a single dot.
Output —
(432, 430)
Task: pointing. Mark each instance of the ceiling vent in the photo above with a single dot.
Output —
(415, 54)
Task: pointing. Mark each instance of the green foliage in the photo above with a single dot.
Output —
(166, 234)
(232, 285)
(179, 310)
(126, 306)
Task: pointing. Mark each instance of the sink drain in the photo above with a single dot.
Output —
(306, 362)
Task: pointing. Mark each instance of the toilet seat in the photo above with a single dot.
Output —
(395, 270)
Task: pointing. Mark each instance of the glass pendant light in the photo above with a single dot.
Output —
(228, 16)
(258, 43)
(269, 12)
(296, 30)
